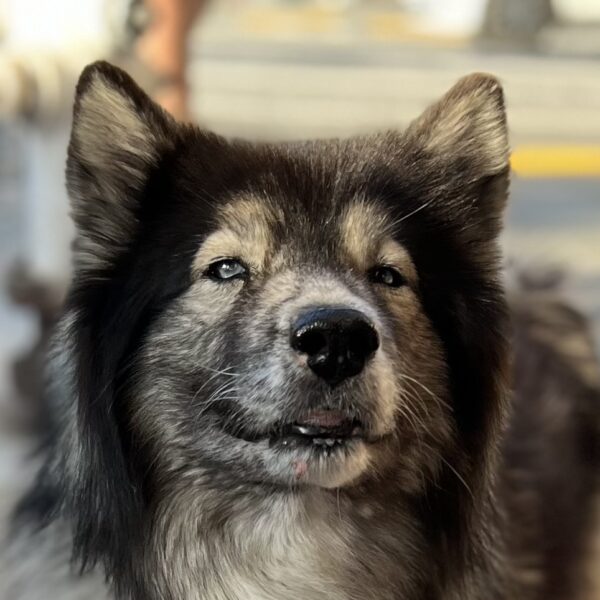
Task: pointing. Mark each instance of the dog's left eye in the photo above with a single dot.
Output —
(226, 269)
(387, 276)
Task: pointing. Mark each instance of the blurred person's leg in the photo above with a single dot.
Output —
(163, 49)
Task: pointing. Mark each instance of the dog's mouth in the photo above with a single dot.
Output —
(318, 429)
(324, 430)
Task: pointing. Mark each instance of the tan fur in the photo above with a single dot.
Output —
(471, 110)
(245, 234)
(108, 119)
(254, 554)
(364, 236)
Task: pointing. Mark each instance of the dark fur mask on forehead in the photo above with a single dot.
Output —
(146, 192)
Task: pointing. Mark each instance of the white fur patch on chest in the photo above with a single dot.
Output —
(281, 548)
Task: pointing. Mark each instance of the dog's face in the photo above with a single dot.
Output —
(315, 314)
(300, 353)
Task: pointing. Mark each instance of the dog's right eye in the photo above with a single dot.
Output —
(226, 270)
(387, 275)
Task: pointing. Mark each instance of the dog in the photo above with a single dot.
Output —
(284, 371)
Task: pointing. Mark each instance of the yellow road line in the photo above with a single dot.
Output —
(400, 27)
(282, 21)
(556, 161)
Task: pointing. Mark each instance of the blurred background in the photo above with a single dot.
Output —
(287, 69)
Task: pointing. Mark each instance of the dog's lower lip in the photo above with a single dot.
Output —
(324, 429)
(318, 428)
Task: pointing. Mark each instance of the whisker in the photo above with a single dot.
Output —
(227, 371)
(454, 471)
(410, 214)
(426, 389)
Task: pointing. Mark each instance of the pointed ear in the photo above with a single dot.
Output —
(467, 124)
(460, 151)
(118, 137)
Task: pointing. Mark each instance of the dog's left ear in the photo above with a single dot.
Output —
(118, 136)
(468, 123)
(460, 144)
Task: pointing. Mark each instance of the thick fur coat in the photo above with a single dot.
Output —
(179, 465)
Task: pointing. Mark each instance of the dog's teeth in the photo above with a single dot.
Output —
(326, 443)
(305, 430)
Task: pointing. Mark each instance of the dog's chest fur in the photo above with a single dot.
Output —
(308, 546)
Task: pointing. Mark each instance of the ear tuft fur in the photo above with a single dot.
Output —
(117, 138)
(468, 122)
(107, 120)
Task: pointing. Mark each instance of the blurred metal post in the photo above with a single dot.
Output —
(516, 20)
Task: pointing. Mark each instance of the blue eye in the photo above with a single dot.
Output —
(226, 270)
(387, 276)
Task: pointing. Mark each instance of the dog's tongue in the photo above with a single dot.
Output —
(323, 422)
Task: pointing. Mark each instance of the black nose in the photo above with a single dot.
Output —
(338, 342)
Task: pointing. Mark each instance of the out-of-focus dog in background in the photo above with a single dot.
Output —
(284, 371)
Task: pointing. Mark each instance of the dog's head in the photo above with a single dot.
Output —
(318, 314)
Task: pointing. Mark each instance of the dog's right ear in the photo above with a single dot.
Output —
(118, 137)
